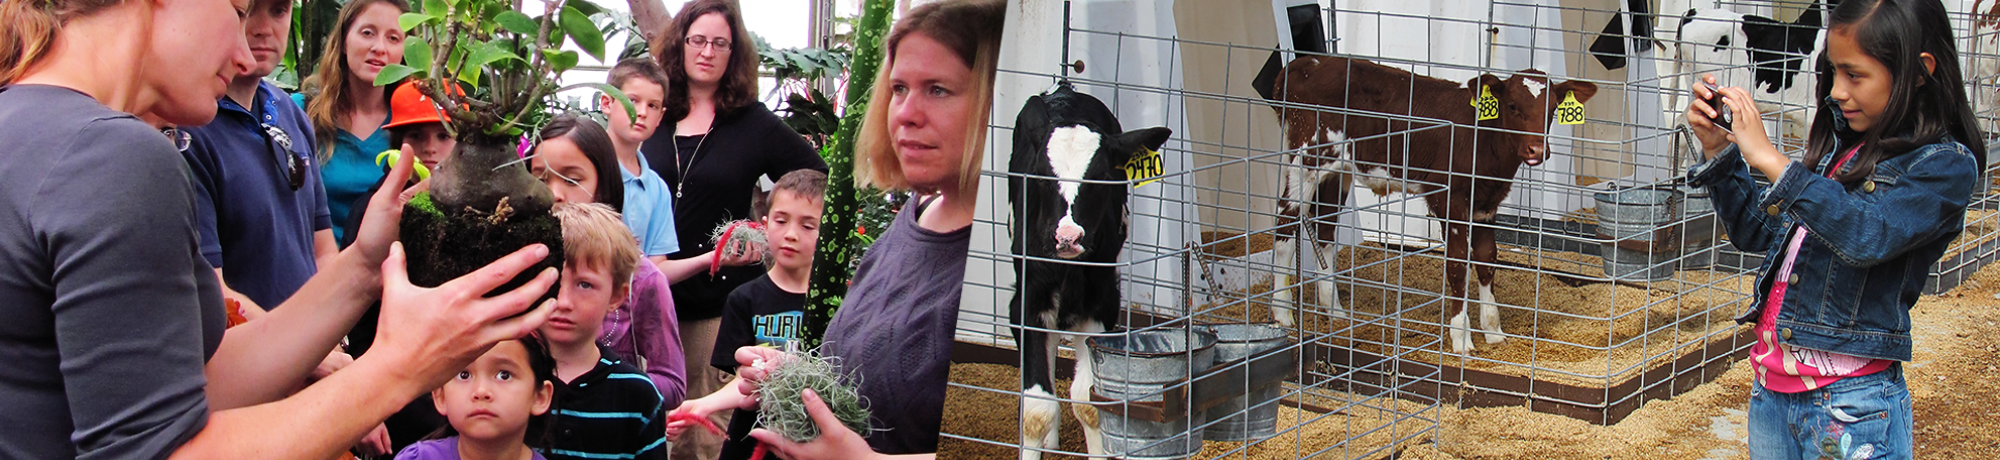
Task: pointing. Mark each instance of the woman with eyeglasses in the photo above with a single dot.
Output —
(714, 144)
(111, 321)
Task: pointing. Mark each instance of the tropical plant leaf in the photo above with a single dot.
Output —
(560, 60)
(487, 54)
(417, 54)
(436, 8)
(393, 73)
(411, 20)
(518, 23)
(584, 6)
(623, 100)
(583, 31)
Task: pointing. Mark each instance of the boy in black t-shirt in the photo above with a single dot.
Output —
(766, 311)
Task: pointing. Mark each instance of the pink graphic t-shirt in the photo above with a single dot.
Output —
(1787, 369)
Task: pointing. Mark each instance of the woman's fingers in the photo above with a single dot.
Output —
(394, 274)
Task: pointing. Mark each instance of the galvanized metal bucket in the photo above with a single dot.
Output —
(1699, 237)
(1137, 367)
(1254, 415)
(1640, 223)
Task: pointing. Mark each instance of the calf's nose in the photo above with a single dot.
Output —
(1535, 154)
(1068, 234)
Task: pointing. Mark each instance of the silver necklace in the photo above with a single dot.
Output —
(683, 169)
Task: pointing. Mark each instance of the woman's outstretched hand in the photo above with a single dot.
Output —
(438, 331)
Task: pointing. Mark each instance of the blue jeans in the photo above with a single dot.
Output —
(1857, 418)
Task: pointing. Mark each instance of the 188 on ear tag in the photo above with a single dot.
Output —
(1145, 168)
(1487, 105)
(1569, 112)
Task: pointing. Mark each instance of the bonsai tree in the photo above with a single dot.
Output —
(482, 203)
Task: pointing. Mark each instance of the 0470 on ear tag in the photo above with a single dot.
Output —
(1486, 105)
(1145, 167)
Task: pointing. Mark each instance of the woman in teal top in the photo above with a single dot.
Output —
(350, 110)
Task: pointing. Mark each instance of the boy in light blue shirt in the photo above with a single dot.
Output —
(649, 206)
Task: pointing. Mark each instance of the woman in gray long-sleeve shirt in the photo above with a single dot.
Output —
(111, 342)
(925, 131)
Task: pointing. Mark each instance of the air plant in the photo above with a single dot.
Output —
(781, 409)
(734, 239)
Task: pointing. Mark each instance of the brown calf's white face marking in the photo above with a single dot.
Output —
(1071, 149)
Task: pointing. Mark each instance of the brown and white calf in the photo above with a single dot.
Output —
(1474, 166)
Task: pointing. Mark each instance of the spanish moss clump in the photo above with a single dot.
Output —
(781, 410)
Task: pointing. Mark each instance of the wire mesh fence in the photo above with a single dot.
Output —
(1612, 283)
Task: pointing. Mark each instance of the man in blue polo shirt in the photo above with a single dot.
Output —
(260, 207)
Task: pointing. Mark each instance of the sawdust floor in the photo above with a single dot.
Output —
(1593, 334)
(1949, 382)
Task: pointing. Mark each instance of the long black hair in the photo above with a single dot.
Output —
(541, 428)
(596, 145)
(1924, 106)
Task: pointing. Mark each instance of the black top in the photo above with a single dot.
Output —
(761, 314)
(757, 313)
(110, 311)
(612, 411)
(740, 146)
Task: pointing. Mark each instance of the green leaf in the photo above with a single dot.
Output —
(436, 8)
(486, 54)
(613, 91)
(585, 7)
(417, 54)
(393, 73)
(518, 23)
(411, 20)
(586, 34)
(560, 60)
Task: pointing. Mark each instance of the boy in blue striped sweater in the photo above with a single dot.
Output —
(610, 409)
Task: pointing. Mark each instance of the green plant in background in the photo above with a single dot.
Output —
(833, 264)
(807, 110)
(781, 410)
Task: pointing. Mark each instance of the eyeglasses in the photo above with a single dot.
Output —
(180, 138)
(719, 44)
(294, 163)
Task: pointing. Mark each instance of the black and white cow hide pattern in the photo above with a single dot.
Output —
(1771, 58)
(1068, 192)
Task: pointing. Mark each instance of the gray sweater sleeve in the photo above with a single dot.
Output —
(115, 217)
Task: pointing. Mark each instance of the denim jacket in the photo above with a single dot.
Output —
(1870, 248)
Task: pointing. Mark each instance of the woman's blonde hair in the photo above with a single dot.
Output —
(30, 31)
(328, 110)
(594, 234)
(971, 29)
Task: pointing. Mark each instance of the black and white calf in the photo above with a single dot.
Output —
(1061, 140)
(1773, 59)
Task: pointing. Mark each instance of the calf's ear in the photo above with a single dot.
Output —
(1148, 138)
(1584, 90)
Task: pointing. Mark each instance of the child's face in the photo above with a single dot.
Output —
(493, 398)
(587, 294)
(564, 168)
(793, 229)
(431, 142)
(1860, 82)
(647, 99)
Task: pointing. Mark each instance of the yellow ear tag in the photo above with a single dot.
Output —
(1569, 112)
(1145, 168)
(1487, 105)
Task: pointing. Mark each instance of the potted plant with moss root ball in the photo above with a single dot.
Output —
(482, 204)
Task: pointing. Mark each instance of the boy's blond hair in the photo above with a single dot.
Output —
(594, 234)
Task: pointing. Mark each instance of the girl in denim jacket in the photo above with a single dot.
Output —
(1850, 233)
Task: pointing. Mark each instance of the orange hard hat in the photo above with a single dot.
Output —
(408, 106)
